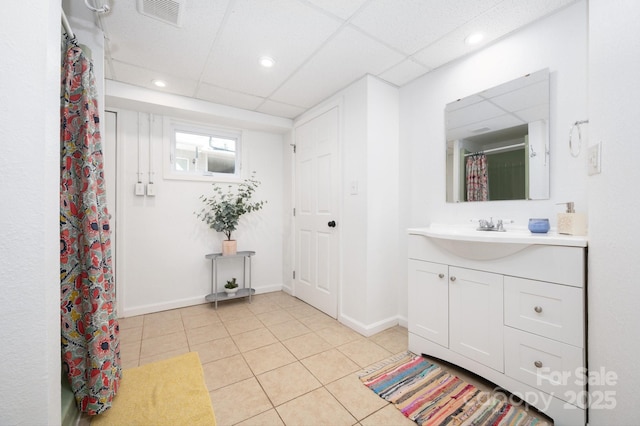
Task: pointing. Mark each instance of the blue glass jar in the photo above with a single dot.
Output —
(539, 226)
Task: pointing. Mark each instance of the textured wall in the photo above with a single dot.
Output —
(614, 237)
(29, 251)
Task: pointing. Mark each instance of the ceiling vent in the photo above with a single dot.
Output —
(169, 11)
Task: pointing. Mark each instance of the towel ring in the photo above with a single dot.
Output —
(576, 125)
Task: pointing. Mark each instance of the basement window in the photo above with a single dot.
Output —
(200, 153)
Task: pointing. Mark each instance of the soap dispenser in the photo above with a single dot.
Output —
(572, 223)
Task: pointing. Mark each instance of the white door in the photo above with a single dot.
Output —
(317, 226)
(475, 315)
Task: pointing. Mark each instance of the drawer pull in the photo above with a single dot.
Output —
(452, 279)
(538, 364)
(538, 309)
(440, 275)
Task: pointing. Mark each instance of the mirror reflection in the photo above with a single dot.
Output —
(498, 142)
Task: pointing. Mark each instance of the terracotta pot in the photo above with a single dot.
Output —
(229, 247)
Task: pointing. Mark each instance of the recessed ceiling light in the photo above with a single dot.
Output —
(267, 62)
(474, 38)
(159, 83)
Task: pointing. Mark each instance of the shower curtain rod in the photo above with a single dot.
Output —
(502, 148)
(67, 27)
(65, 22)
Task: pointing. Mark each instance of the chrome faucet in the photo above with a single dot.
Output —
(488, 225)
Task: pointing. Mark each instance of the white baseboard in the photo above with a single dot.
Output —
(403, 322)
(270, 288)
(182, 303)
(368, 329)
(159, 307)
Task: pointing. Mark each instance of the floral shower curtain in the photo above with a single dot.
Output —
(477, 178)
(90, 343)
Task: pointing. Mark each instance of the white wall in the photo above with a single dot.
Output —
(369, 258)
(353, 224)
(162, 244)
(29, 219)
(559, 43)
(614, 237)
(384, 259)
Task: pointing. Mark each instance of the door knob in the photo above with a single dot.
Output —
(331, 224)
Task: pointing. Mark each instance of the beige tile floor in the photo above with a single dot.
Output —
(275, 361)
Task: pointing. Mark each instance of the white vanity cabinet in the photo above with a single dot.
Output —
(514, 315)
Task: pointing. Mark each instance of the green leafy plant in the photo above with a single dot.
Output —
(231, 284)
(223, 209)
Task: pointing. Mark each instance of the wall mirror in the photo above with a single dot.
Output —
(498, 142)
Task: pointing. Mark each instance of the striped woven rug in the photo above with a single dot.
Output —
(429, 395)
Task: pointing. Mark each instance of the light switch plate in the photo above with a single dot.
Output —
(151, 189)
(354, 187)
(594, 159)
(139, 189)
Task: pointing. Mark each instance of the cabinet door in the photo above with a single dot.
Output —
(428, 306)
(475, 314)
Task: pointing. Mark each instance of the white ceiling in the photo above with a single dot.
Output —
(320, 46)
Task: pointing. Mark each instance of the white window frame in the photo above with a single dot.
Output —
(169, 171)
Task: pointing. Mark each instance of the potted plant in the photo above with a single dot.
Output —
(231, 286)
(223, 209)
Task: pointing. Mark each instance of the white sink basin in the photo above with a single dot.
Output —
(470, 243)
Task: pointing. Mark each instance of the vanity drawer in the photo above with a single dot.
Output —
(548, 365)
(549, 310)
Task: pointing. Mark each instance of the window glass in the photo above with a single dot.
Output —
(199, 152)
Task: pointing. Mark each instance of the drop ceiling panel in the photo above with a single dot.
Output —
(280, 110)
(286, 30)
(320, 46)
(473, 114)
(413, 24)
(342, 8)
(452, 46)
(404, 72)
(141, 40)
(464, 102)
(346, 58)
(534, 113)
(534, 94)
(143, 77)
(504, 121)
(224, 96)
(504, 18)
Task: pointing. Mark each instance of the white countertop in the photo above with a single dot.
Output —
(510, 236)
